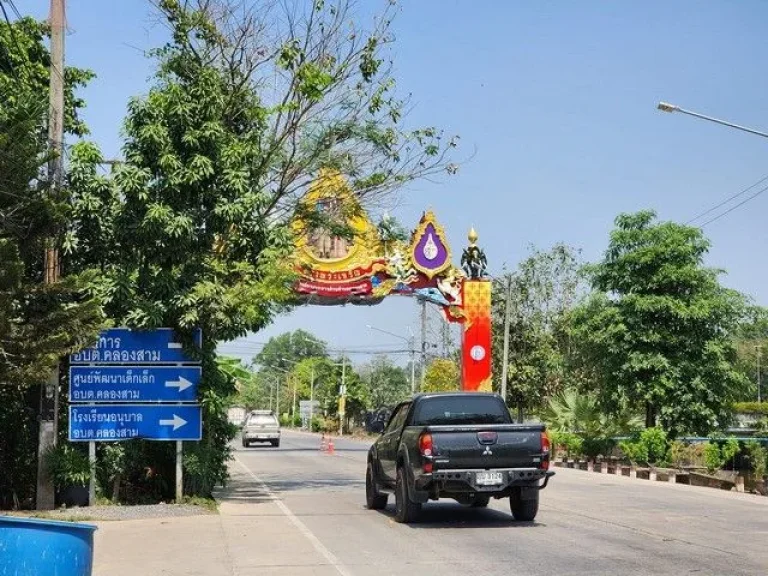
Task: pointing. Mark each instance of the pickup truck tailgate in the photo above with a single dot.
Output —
(486, 446)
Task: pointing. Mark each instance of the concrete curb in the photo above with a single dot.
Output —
(650, 473)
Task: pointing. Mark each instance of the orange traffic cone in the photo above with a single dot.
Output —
(330, 448)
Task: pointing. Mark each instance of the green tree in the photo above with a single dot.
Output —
(658, 327)
(285, 350)
(543, 291)
(388, 383)
(751, 340)
(39, 323)
(246, 106)
(442, 375)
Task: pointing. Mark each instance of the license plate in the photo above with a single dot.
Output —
(489, 478)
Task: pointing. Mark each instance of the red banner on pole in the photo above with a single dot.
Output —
(476, 342)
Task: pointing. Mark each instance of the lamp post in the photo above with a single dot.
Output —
(667, 107)
(411, 349)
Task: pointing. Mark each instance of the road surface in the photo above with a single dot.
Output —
(588, 524)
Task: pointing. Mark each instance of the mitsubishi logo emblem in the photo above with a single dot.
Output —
(487, 451)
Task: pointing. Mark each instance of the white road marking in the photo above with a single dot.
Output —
(319, 546)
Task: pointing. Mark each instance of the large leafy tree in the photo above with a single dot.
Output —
(751, 340)
(286, 350)
(658, 327)
(389, 384)
(542, 292)
(245, 108)
(38, 323)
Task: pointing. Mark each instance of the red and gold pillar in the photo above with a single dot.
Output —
(476, 341)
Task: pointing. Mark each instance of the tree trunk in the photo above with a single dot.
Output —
(520, 413)
(650, 415)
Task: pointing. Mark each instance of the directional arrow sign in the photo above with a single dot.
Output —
(177, 422)
(112, 423)
(111, 384)
(127, 346)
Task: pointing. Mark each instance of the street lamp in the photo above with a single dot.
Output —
(411, 349)
(667, 107)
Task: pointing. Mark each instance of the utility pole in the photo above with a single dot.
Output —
(343, 392)
(423, 341)
(759, 349)
(413, 365)
(311, 396)
(505, 358)
(49, 397)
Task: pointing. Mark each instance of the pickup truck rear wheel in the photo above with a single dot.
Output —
(374, 500)
(406, 510)
(524, 510)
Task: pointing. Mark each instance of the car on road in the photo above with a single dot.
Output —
(461, 445)
(261, 426)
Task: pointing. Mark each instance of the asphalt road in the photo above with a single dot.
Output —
(588, 523)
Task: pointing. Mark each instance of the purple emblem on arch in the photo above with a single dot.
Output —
(430, 252)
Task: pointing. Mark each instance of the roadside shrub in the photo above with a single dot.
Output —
(68, 465)
(317, 423)
(751, 408)
(635, 452)
(758, 458)
(328, 425)
(713, 458)
(729, 450)
(592, 447)
(567, 442)
(649, 447)
(655, 441)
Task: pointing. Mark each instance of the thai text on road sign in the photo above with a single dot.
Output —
(128, 346)
(110, 423)
(134, 383)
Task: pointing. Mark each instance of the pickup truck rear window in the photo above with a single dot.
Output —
(259, 420)
(461, 410)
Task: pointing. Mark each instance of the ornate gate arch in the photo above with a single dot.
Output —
(341, 257)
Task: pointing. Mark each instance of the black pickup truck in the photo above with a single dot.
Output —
(462, 446)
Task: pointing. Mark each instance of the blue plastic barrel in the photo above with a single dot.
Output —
(31, 547)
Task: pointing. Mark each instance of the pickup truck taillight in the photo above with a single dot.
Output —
(545, 448)
(425, 448)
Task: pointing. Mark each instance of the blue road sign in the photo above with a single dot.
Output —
(127, 346)
(134, 383)
(111, 423)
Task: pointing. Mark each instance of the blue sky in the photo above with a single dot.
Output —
(556, 102)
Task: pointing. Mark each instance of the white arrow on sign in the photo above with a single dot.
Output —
(182, 384)
(177, 422)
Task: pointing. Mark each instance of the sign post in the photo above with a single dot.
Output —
(135, 384)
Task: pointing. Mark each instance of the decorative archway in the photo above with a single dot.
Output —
(341, 257)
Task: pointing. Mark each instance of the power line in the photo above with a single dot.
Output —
(13, 37)
(14, 9)
(724, 202)
(732, 208)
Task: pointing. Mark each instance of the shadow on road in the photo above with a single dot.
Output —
(309, 484)
(443, 516)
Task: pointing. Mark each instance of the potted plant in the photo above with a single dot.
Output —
(70, 470)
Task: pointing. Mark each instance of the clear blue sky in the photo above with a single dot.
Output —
(558, 101)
